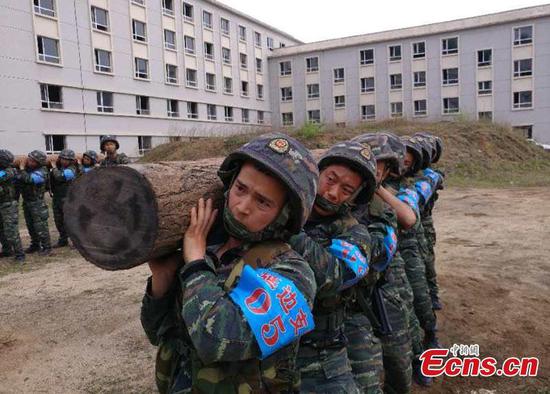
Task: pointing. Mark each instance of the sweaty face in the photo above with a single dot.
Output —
(255, 198)
(382, 170)
(110, 147)
(337, 183)
(409, 160)
(86, 161)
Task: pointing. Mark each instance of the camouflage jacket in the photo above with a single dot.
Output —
(119, 159)
(8, 177)
(333, 275)
(61, 179)
(208, 338)
(438, 183)
(33, 183)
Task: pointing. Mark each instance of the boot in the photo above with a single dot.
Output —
(436, 302)
(45, 252)
(430, 340)
(418, 376)
(33, 248)
(61, 243)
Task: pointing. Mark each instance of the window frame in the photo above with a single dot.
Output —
(521, 73)
(287, 123)
(140, 110)
(447, 51)
(285, 71)
(484, 62)
(189, 50)
(519, 105)
(185, 7)
(168, 79)
(224, 31)
(209, 87)
(167, 10)
(338, 102)
(365, 88)
(421, 112)
(242, 33)
(207, 55)
(101, 68)
(286, 98)
(365, 61)
(145, 144)
(520, 42)
(395, 105)
(395, 58)
(49, 143)
(137, 73)
(226, 60)
(482, 89)
(191, 106)
(365, 116)
(100, 100)
(135, 36)
(189, 82)
(418, 55)
(417, 83)
(209, 115)
(172, 46)
(225, 90)
(259, 91)
(450, 81)
(48, 58)
(312, 69)
(45, 96)
(170, 110)
(207, 24)
(314, 96)
(311, 119)
(449, 110)
(396, 81)
(336, 78)
(243, 61)
(43, 11)
(228, 113)
(95, 24)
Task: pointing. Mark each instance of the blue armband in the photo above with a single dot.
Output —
(37, 178)
(68, 174)
(390, 244)
(409, 197)
(276, 311)
(353, 258)
(86, 170)
(2, 173)
(434, 176)
(424, 189)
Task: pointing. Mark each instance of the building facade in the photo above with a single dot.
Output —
(494, 67)
(143, 70)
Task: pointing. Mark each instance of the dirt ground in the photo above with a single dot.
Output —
(67, 327)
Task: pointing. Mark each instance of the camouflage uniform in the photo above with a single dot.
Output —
(322, 359)
(33, 185)
(60, 180)
(207, 341)
(120, 158)
(9, 208)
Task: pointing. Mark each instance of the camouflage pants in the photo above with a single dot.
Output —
(365, 353)
(9, 228)
(431, 276)
(57, 205)
(36, 217)
(325, 370)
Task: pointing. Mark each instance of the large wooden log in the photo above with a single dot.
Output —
(120, 217)
(21, 160)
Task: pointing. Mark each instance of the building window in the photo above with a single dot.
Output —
(207, 20)
(54, 143)
(245, 115)
(419, 50)
(523, 35)
(145, 144)
(142, 68)
(190, 78)
(420, 108)
(244, 88)
(168, 7)
(485, 116)
(45, 7)
(48, 50)
(172, 108)
(103, 61)
(286, 94)
(224, 26)
(312, 64)
(367, 85)
(260, 91)
(368, 112)
(314, 116)
(142, 105)
(259, 66)
(169, 39)
(189, 44)
(396, 109)
(419, 79)
(243, 58)
(396, 81)
(270, 43)
(260, 117)
(313, 91)
(227, 85)
(211, 112)
(52, 97)
(242, 33)
(451, 105)
(228, 113)
(171, 73)
(523, 68)
(257, 39)
(366, 56)
(523, 99)
(139, 2)
(526, 131)
(484, 57)
(285, 68)
(210, 82)
(104, 102)
(450, 76)
(188, 12)
(484, 87)
(192, 110)
(100, 18)
(339, 75)
(139, 30)
(208, 50)
(449, 46)
(395, 53)
(226, 55)
(288, 118)
(339, 101)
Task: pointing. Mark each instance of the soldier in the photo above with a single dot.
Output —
(109, 146)
(337, 248)
(9, 208)
(89, 161)
(61, 177)
(33, 181)
(228, 319)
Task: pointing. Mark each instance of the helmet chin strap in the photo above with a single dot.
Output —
(338, 209)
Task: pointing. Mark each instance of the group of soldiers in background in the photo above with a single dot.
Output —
(29, 179)
(336, 293)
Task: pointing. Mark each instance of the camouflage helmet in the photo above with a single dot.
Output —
(431, 140)
(398, 147)
(39, 156)
(67, 154)
(108, 138)
(382, 149)
(92, 155)
(288, 160)
(413, 147)
(6, 158)
(360, 159)
(426, 147)
(438, 148)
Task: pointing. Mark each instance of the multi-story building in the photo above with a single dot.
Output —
(143, 70)
(494, 67)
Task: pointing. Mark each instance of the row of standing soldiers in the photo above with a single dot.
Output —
(31, 180)
(314, 276)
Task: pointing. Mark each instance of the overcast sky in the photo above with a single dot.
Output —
(315, 20)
